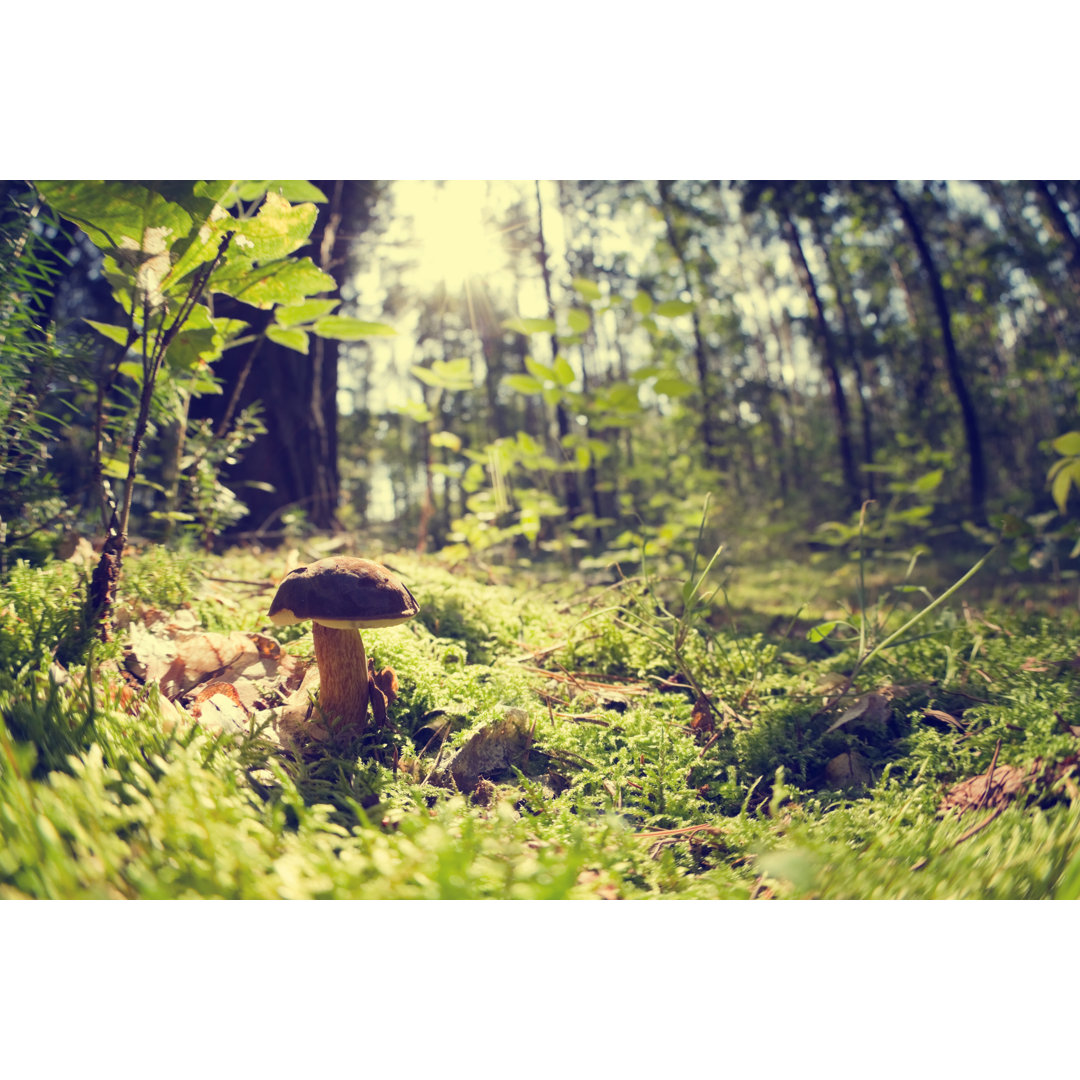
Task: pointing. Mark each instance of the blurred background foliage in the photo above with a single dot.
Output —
(516, 371)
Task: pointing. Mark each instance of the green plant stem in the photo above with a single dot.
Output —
(919, 616)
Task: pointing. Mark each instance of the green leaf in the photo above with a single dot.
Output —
(119, 334)
(171, 515)
(670, 309)
(294, 190)
(538, 370)
(928, 482)
(343, 328)
(530, 326)
(201, 340)
(523, 384)
(297, 190)
(623, 397)
(1010, 526)
(276, 231)
(1061, 463)
(1068, 444)
(587, 290)
(446, 374)
(672, 386)
(1066, 479)
(202, 246)
(821, 631)
(416, 410)
(447, 439)
(563, 372)
(115, 468)
(527, 444)
(131, 369)
(212, 191)
(284, 282)
(110, 212)
(642, 303)
(295, 314)
(290, 337)
(579, 321)
(198, 340)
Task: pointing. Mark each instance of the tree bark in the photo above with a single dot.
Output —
(828, 355)
(841, 288)
(1059, 223)
(571, 492)
(977, 464)
(298, 455)
(705, 384)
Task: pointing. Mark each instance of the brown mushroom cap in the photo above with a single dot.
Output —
(344, 593)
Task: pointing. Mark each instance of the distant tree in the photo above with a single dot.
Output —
(954, 366)
(294, 466)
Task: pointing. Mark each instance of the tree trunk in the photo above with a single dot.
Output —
(841, 286)
(298, 455)
(1059, 222)
(977, 465)
(571, 492)
(709, 408)
(828, 356)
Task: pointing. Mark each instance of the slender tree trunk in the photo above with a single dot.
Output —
(828, 355)
(977, 464)
(841, 288)
(1059, 222)
(709, 410)
(571, 491)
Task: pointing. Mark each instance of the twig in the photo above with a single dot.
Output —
(687, 831)
(580, 718)
(978, 828)
(989, 778)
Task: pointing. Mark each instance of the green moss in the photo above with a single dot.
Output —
(638, 793)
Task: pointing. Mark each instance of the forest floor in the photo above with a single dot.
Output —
(551, 737)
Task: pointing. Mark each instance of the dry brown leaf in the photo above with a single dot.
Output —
(1032, 663)
(991, 790)
(219, 708)
(871, 711)
(1008, 782)
(944, 717)
(492, 749)
(180, 660)
(701, 719)
(849, 770)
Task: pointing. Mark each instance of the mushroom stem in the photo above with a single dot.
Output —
(343, 677)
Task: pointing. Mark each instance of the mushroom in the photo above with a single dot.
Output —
(342, 596)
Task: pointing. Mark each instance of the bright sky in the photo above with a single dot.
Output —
(451, 231)
(455, 245)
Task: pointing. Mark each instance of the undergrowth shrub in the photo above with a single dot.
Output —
(39, 610)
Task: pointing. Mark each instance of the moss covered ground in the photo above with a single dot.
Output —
(649, 737)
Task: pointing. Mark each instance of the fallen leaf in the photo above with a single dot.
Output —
(382, 692)
(944, 717)
(701, 719)
(492, 750)
(988, 789)
(219, 708)
(1008, 782)
(180, 660)
(849, 770)
(871, 711)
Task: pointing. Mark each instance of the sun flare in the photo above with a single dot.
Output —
(454, 244)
